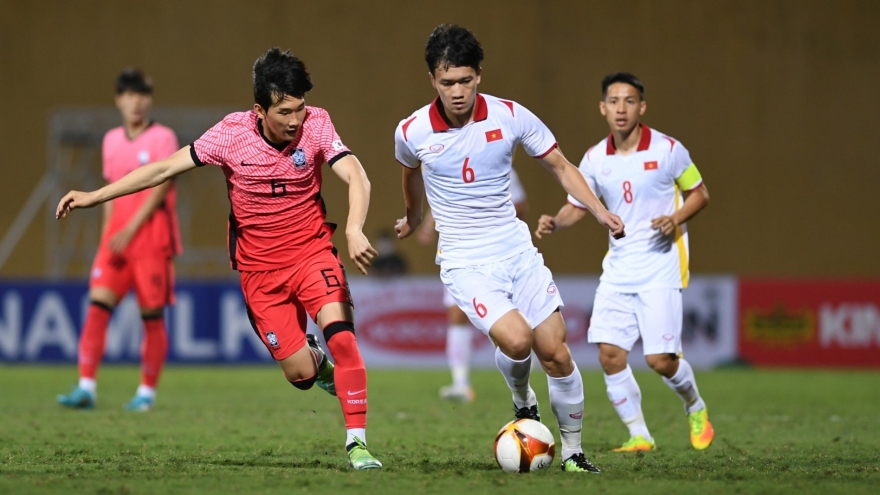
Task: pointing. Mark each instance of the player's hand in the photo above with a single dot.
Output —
(613, 222)
(546, 225)
(666, 225)
(405, 227)
(74, 200)
(360, 250)
(120, 241)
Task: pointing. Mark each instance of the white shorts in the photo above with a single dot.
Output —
(487, 292)
(448, 300)
(620, 319)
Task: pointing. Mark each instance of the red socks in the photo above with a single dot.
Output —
(153, 350)
(350, 375)
(92, 340)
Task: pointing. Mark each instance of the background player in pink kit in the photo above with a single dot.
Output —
(460, 333)
(278, 238)
(463, 142)
(647, 178)
(138, 242)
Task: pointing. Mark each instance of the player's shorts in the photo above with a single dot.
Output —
(487, 292)
(278, 301)
(448, 300)
(151, 277)
(621, 318)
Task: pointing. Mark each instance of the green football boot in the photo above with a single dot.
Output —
(359, 457)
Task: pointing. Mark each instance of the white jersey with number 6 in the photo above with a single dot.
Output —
(467, 176)
(640, 187)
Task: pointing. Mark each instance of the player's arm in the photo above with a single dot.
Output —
(154, 200)
(350, 170)
(413, 195)
(137, 180)
(573, 183)
(694, 201)
(568, 215)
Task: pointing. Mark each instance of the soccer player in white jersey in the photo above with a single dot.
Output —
(648, 179)
(459, 150)
(459, 334)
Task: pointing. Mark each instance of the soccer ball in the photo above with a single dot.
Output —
(524, 445)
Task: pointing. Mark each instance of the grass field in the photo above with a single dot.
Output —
(244, 430)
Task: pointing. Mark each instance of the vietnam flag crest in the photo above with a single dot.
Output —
(650, 165)
(493, 135)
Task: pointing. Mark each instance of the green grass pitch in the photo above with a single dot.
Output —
(244, 430)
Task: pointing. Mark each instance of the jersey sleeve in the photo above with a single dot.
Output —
(683, 169)
(105, 165)
(330, 146)
(212, 147)
(532, 133)
(402, 150)
(586, 171)
(517, 192)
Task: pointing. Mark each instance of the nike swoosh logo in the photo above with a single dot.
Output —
(332, 291)
(243, 164)
(356, 391)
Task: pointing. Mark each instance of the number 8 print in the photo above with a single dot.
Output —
(627, 191)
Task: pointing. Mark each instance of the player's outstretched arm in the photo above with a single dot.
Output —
(121, 239)
(573, 183)
(413, 195)
(137, 180)
(350, 170)
(568, 215)
(694, 201)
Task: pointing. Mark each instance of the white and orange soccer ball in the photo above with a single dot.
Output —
(524, 445)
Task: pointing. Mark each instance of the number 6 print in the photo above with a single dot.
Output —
(467, 173)
(480, 309)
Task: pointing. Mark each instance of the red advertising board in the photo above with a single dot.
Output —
(809, 323)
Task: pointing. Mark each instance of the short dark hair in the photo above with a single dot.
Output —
(452, 46)
(132, 79)
(279, 74)
(622, 77)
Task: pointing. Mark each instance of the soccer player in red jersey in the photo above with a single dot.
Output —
(138, 243)
(278, 238)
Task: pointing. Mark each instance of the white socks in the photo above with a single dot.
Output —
(626, 397)
(684, 385)
(145, 391)
(90, 385)
(355, 432)
(459, 340)
(516, 373)
(567, 401)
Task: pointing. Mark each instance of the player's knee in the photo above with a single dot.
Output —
(516, 345)
(612, 360)
(303, 383)
(661, 363)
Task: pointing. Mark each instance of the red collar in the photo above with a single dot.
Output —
(481, 112)
(644, 141)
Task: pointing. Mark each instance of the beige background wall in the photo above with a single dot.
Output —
(776, 101)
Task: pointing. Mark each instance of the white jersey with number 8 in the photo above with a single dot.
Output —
(640, 187)
(467, 174)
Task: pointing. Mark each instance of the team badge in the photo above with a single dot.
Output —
(144, 157)
(299, 158)
(337, 145)
(272, 339)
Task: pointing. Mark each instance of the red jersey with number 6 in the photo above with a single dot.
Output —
(278, 215)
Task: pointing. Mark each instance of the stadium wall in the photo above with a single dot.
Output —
(772, 99)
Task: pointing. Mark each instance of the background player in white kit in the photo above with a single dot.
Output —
(641, 173)
(464, 142)
(459, 333)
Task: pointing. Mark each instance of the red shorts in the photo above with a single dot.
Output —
(279, 300)
(152, 277)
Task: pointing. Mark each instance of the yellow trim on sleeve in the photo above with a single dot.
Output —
(689, 178)
(679, 239)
